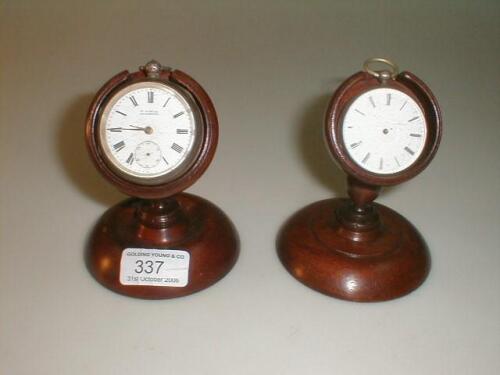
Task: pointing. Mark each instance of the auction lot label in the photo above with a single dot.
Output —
(154, 267)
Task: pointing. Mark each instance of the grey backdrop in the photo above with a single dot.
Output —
(270, 68)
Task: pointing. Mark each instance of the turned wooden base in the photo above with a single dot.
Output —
(349, 261)
(185, 222)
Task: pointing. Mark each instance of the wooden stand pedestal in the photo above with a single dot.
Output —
(184, 222)
(354, 249)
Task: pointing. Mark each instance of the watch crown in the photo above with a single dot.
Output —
(152, 69)
(384, 74)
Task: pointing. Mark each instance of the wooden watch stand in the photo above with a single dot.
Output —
(161, 216)
(354, 249)
(184, 221)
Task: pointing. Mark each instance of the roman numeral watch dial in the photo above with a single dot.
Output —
(149, 132)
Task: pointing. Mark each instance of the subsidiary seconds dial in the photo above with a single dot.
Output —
(384, 131)
(149, 130)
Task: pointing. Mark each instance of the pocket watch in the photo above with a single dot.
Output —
(150, 132)
(383, 128)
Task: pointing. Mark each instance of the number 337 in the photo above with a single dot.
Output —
(148, 266)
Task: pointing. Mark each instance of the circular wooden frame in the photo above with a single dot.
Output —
(360, 83)
(201, 161)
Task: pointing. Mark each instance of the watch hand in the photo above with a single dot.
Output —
(120, 129)
(147, 129)
(138, 127)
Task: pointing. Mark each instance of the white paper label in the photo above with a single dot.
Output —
(154, 267)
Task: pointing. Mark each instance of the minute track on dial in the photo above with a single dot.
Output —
(377, 131)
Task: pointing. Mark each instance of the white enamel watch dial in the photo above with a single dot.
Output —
(149, 130)
(384, 131)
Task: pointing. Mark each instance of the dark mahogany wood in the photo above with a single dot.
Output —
(355, 249)
(320, 251)
(161, 217)
(183, 222)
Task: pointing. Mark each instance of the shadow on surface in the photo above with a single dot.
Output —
(313, 149)
(74, 156)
